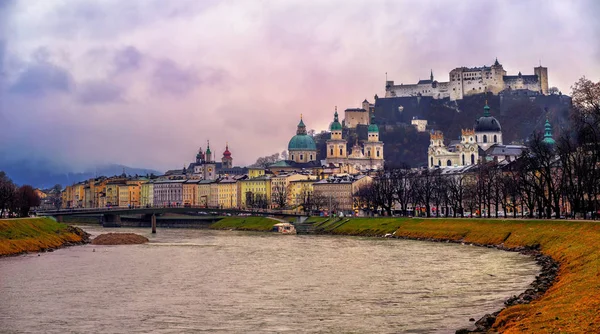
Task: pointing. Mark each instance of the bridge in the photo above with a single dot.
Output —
(112, 215)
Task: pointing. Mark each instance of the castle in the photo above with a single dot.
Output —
(465, 81)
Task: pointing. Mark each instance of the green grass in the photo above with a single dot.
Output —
(245, 223)
(32, 234)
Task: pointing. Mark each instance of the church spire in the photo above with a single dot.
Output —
(431, 76)
(486, 110)
(548, 133)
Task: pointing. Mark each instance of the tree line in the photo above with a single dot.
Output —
(548, 180)
(16, 201)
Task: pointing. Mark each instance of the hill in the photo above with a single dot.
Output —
(43, 175)
(519, 113)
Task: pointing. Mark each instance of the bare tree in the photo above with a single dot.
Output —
(280, 196)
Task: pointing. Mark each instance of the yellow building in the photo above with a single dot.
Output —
(67, 197)
(79, 195)
(147, 194)
(338, 191)
(129, 195)
(190, 193)
(204, 192)
(112, 193)
(280, 187)
(227, 193)
(255, 192)
(298, 189)
(255, 172)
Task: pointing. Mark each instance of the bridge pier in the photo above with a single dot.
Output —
(59, 218)
(111, 220)
(153, 220)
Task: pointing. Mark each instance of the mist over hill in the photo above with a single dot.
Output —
(45, 175)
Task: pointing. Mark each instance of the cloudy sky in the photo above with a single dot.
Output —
(145, 83)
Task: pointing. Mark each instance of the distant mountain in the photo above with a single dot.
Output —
(41, 175)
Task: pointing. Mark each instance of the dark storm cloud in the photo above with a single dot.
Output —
(41, 78)
(99, 92)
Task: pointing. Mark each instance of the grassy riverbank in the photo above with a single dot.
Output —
(245, 223)
(570, 306)
(35, 234)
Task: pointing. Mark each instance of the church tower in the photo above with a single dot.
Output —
(336, 145)
(227, 160)
(210, 168)
(373, 147)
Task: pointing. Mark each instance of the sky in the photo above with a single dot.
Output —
(146, 83)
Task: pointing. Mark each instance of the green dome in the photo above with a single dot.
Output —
(302, 143)
(373, 127)
(335, 125)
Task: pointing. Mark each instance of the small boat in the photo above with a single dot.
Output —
(284, 228)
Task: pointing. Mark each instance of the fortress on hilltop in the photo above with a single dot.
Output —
(464, 81)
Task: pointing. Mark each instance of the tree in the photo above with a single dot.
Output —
(7, 192)
(25, 198)
(279, 196)
(264, 162)
(553, 91)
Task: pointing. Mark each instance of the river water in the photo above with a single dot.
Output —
(190, 281)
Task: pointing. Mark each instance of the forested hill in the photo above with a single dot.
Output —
(519, 116)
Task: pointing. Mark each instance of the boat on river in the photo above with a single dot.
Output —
(284, 228)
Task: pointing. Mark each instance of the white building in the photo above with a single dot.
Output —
(486, 133)
(465, 81)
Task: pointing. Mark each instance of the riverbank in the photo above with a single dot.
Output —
(570, 305)
(248, 223)
(24, 235)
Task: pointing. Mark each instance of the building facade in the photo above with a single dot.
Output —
(465, 81)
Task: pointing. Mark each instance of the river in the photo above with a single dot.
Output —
(189, 281)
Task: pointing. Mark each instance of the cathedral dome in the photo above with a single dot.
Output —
(487, 123)
(302, 141)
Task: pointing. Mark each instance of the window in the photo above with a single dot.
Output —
(439, 162)
(378, 153)
(495, 139)
(472, 159)
(448, 163)
(331, 152)
(311, 158)
(463, 159)
(292, 157)
(431, 161)
(485, 138)
(341, 151)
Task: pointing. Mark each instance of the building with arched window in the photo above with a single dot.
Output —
(464, 152)
(367, 157)
(488, 131)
